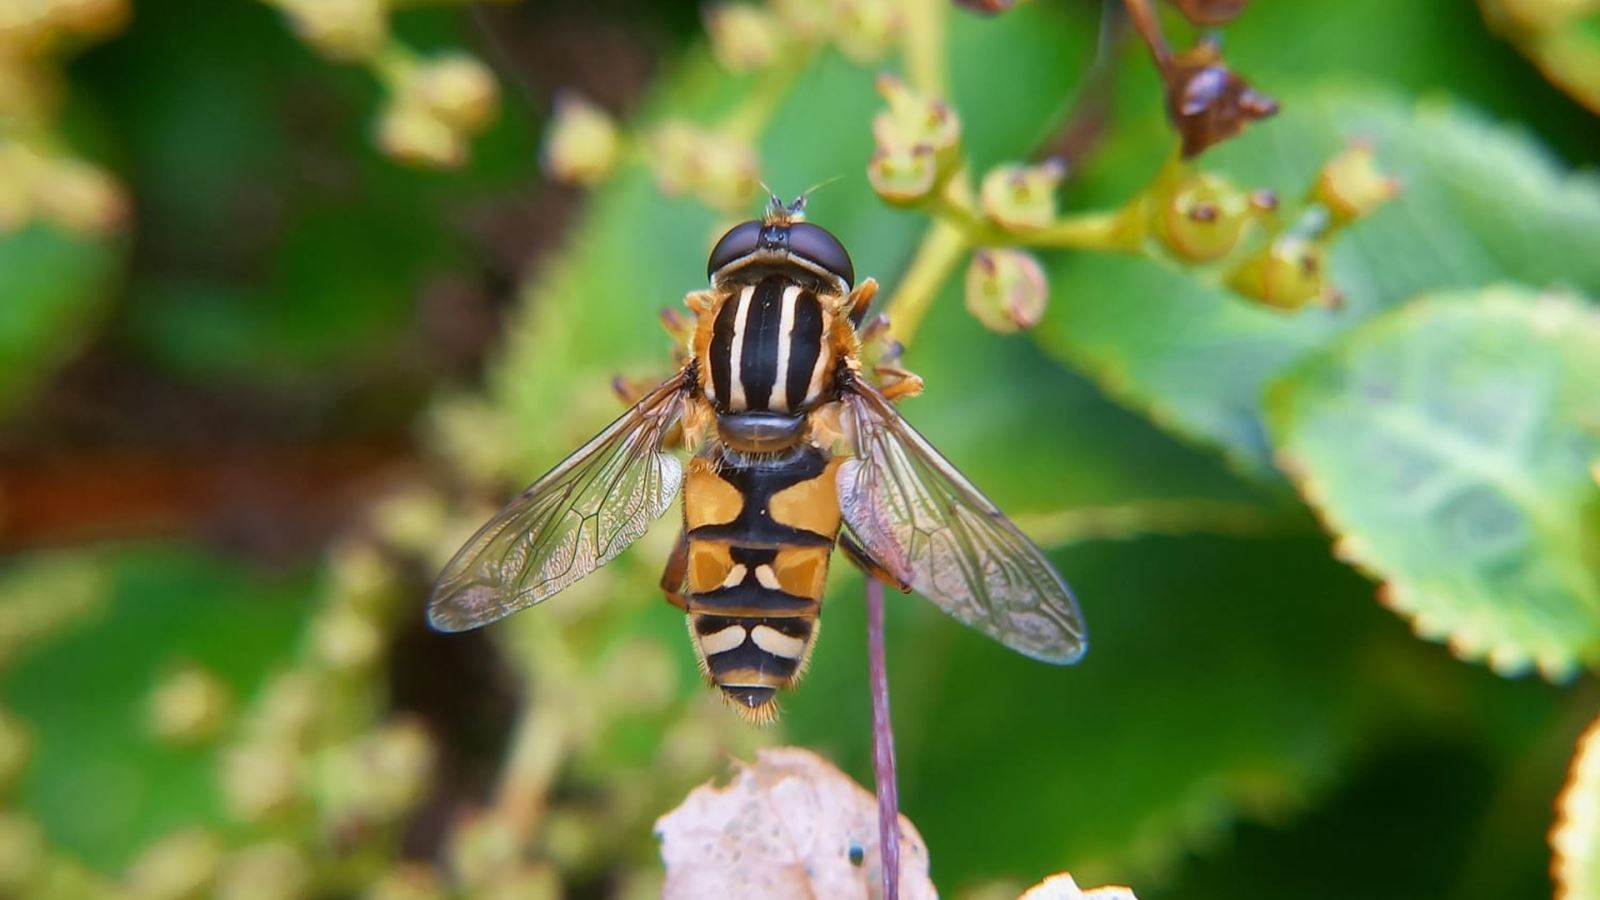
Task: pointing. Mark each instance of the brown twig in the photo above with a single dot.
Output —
(883, 744)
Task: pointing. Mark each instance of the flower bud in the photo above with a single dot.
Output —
(415, 135)
(729, 173)
(346, 640)
(340, 29)
(458, 89)
(378, 777)
(189, 707)
(271, 871)
(260, 780)
(806, 19)
(913, 120)
(1350, 185)
(721, 172)
(79, 196)
(408, 881)
(903, 176)
(90, 18)
(1288, 274)
(289, 706)
(181, 865)
(481, 848)
(744, 38)
(524, 881)
(1207, 102)
(1022, 198)
(864, 29)
(582, 146)
(1203, 217)
(1006, 289)
(22, 854)
(362, 578)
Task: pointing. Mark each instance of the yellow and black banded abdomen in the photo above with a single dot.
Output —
(760, 536)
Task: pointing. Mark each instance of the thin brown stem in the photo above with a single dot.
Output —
(883, 744)
(1143, 15)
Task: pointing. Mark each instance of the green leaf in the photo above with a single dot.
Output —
(1480, 204)
(52, 285)
(1448, 445)
(83, 696)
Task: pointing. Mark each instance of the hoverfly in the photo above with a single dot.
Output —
(787, 442)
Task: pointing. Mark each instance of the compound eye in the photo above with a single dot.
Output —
(740, 241)
(817, 245)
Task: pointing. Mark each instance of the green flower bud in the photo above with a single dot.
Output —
(272, 871)
(408, 881)
(346, 640)
(189, 707)
(177, 867)
(289, 706)
(458, 89)
(729, 173)
(339, 29)
(260, 780)
(23, 854)
(1287, 274)
(376, 778)
(744, 38)
(524, 881)
(913, 120)
(807, 19)
(1350, 185)
(90, 18)
(1022, 198)
(362, 578)
(481, 848)
(1006, 289)
(721, 172)
(582, 146)
(78, 196)
(865, 29)
(414, 134)
(1203, 217)
(903, 176)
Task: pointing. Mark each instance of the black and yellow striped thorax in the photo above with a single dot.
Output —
(768, 349)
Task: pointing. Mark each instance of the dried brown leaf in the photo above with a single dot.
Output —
(789, 825)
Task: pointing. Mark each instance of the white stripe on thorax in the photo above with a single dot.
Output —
(735, 380)
(820, 369)
(780, 389)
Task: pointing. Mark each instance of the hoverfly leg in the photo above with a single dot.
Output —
(896, 383)
(677, 570)
(863, 560)
(860, 300)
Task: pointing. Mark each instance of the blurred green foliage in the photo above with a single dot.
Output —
(1248, 721)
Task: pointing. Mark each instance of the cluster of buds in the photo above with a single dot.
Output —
(435, 106)
(719, 170)
(39, 182)
(918, 145)
(1006, 289)
(1200, 218)
(749, 37)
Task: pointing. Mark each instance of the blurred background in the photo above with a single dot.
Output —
(273, 340)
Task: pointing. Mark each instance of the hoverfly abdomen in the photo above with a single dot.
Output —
(767, 349)
(760, 531)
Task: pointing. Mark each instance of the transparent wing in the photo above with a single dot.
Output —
(570, 522)
(927, 524)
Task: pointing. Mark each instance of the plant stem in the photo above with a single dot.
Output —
(883, 745)
(943, 245)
